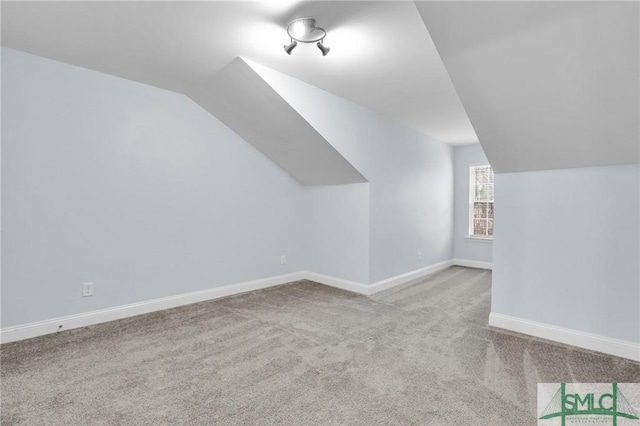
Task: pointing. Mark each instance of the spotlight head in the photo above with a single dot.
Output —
(289, 47)
(324, 49)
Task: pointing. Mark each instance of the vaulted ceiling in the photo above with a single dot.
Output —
(381, 54)
(547, 85)
(544, 84)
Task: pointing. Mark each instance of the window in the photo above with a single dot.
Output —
(481, 201)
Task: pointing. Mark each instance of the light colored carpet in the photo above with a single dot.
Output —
(301, 353)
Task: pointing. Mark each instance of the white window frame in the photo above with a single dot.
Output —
(472, 192)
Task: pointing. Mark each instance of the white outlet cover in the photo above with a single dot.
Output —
(87, 289)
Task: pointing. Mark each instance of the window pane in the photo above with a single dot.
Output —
(479, 191)
(481, 175)
(479, 227)
(489, 175)
(483, 192)
(490, 227)
(483, 180)
(480, 210)
(490, 210)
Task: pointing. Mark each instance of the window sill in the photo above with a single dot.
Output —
(483, 239)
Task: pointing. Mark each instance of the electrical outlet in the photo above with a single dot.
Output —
(419, 255)
(283, 259)
(87, 289)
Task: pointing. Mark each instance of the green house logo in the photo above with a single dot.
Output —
(609, 406)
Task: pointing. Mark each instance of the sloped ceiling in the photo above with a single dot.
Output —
(546, 85)
(247, 104)
(381, 54)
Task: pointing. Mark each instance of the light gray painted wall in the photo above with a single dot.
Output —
(566, 249)
(131, 187)
(410, 176)
(144, 193)
(338, 235)
(464, 247)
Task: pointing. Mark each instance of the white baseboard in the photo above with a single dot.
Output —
(409, 276)
(473, 264)
(378, 286)
(594, 342)
(34, 329)
(40, 328)
(580, 339)
(337, 282)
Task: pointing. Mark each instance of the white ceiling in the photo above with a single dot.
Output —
(547, 85)
(382, 56)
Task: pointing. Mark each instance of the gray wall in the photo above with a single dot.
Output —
(566, 249)
(144, 193)
(410, 176)
(131, 187)
(338, 233)
(463, 247)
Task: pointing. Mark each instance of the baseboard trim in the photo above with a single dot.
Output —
(580, 339)
(40, 328)
(34, 329)
(594, 342)
(378, 286)
(473, 264)
(409, 276)
(352, 286)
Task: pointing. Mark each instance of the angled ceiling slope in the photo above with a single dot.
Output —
(547, 85)
(381, 54)
(241, 99)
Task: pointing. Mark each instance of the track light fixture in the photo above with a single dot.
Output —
(304, 30)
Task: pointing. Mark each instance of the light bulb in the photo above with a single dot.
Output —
(298, 29)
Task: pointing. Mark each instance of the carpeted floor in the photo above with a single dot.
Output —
(298, 354)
